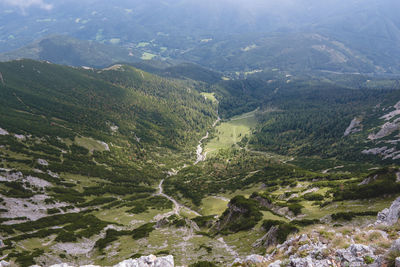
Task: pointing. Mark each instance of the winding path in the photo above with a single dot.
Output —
(177, 206)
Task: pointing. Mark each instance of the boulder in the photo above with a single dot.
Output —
(355, 255)
(144, 261)
(269, 239)
(277, 263)
(389, 216)
(397, 263)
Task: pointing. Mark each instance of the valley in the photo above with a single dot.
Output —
(111, 190)
(199, 133)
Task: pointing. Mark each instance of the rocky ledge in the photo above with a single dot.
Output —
(144, 261)
(325, 246)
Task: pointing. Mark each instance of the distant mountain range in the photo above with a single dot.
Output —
(356, 36)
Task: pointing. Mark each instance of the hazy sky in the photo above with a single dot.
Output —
(23, 4)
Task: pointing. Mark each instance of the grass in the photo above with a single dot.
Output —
(147, 56)
(210, 96)
(142, 44)
(231, 132)
(267, 215)
(213, 206)
(89, 143)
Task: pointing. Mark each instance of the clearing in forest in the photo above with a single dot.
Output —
(231, 132)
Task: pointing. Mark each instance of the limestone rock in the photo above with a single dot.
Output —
(269, 239)
(3, 132)
(144, 261)
(397, 263)
(148, 261)
(355, 254)
(389, 216)
(277, 263)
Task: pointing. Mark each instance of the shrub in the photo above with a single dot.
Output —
(143, 231)
(295, 208)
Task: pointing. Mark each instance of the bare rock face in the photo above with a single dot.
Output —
(148, 261)
(269, 239)
(389, 216)
(355, 255)
(144, 261)
(354, 127)
(397, 263)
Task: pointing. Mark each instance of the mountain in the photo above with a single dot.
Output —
(72, 52)
(201, 133)
(224, 35)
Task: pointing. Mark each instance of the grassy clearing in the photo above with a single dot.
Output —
(213, 206)
(89, 143)
(231, 132)
(210, 96)
(147, 56)
(142, 44)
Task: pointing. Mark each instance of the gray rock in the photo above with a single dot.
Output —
(389, 216)
(144, 261)
(269, 239)
(395, 246)
(355, 254)
(277, 263)
(397, 263)
(354, 127)
(4, 264)
(302, 262)
(3, 132)
(148, 261)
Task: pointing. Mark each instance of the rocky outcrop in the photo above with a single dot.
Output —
(3, 132)
(386, 129)
(356, 255)
(389, 216)
(144, 261)
(1, 79)
(354, 127)
(148, 261)
(269, 239)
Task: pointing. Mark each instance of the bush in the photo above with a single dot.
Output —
(284, 229)
(313, 197)
(203, 264)
(348, 216)
(143, 231)
(295, 208)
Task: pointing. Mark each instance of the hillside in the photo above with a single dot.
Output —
(73, 52)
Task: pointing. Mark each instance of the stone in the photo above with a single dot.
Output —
(395, 246)
(277, 263)
(397, 262)
(43, 162)
(269, 239)
(354, 255)
(302, 262)
(255, 259)
(3, 132)
(4, 264)
(389, 216)
(144, 261)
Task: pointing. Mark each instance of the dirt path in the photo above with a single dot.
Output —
(199, 151)
(177, 206)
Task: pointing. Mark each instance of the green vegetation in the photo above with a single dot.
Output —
(241, 214)
(348, 216)
(284, 229)
(228, 134)
(143, 231)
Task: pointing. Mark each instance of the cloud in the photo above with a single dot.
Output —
(23, 4)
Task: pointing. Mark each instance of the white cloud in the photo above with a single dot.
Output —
(23, 4)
